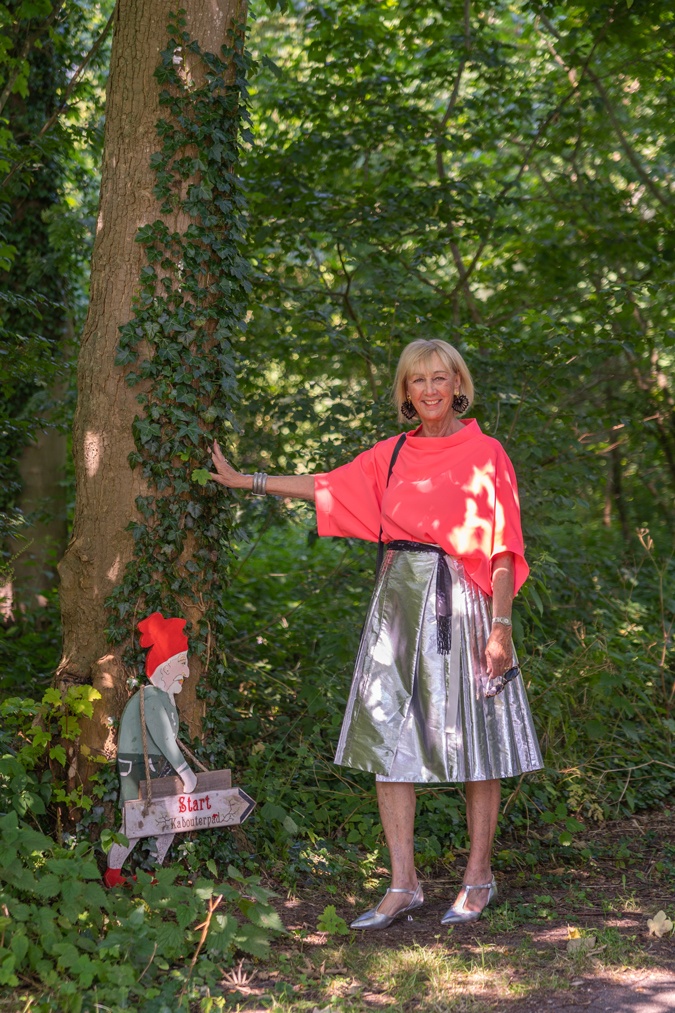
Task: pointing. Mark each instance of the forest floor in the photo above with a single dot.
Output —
(514, 960)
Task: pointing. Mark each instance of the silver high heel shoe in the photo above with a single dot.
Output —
(374, 920)
(458, 915)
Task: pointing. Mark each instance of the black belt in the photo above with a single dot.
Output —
(403, 545)
(443, 589)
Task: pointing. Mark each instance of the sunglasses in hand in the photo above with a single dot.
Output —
(497, 684)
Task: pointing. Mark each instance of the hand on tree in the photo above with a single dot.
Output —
(189, 780)
(225, 473)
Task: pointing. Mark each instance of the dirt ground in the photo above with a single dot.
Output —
(514, 960)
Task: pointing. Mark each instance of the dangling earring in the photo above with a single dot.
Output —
(460, 403)
(408, 409)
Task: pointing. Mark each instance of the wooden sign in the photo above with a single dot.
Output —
(213, 803)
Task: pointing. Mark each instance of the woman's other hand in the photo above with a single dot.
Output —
(499, 651)
(225, 474)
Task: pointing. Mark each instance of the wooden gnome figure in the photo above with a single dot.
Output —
(166, 666)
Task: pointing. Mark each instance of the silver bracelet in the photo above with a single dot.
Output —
(502, 620)
(259, 484)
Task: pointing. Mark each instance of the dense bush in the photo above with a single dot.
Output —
(150, 947)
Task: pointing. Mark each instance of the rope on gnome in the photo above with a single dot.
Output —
(146, 760)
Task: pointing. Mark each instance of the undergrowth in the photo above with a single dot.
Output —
(296, 606)
(597, 694)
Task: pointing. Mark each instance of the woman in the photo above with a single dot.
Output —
(435, 697)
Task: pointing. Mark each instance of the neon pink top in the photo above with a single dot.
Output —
(458, 491)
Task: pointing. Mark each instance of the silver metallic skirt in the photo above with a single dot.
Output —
(417, 709)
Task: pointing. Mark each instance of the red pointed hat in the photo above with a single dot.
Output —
(164, 637)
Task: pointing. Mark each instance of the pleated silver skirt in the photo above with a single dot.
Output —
(418, 715)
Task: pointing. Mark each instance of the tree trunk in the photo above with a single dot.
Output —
(106, 486)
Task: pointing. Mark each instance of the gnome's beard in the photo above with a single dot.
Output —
(170, 675)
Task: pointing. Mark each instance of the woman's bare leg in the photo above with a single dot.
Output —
(483, 799)
(396, 801)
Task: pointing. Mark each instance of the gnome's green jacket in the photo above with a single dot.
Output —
(161, 722)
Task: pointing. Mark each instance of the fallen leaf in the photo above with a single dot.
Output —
(580, 944)
(659, 924)
(573, 932)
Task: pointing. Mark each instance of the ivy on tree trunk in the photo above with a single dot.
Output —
(156, 370)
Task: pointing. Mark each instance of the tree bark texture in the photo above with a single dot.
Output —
(106, 486)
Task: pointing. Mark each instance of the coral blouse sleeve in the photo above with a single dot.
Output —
(507, 532)
(348, 500)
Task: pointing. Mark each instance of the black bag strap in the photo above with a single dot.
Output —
(380, 544)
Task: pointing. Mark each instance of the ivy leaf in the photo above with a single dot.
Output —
(271, 65)
(201, 476)
(192, 431)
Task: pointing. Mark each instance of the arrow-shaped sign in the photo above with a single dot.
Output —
(175, 814)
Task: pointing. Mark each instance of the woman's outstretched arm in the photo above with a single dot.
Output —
(292, 486)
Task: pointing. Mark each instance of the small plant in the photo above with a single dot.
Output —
(331, 922)
(36, 735)
(502, 918)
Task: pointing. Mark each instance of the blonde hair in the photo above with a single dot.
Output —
(418, 353)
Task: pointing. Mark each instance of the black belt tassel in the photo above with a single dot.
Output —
(443, 607)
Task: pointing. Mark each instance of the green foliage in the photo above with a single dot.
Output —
(145, 947)
(33, 757)
(30, 645)
(190, 306)
(52, 64)
(331, 922)
(407, 188)
(43, 44)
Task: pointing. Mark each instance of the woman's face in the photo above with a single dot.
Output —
(431, 388)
